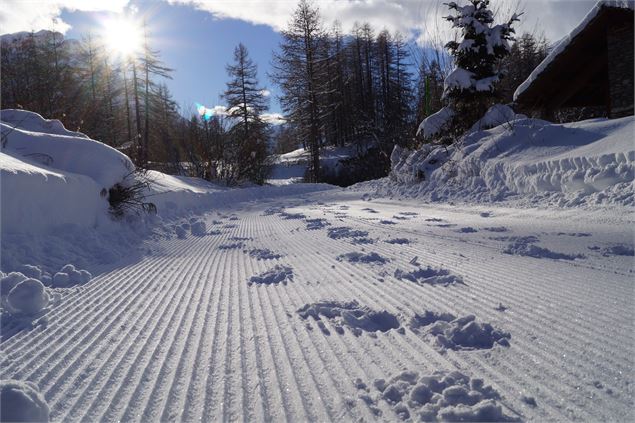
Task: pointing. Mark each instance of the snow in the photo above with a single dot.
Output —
(296, 303)
(532, 161)
(22, 402)
(496, 115)
(290, 168)
(435, 123)
(458, 79)
(566, 41)
(61, 150)
(27, 297)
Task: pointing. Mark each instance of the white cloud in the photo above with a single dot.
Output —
(420, 18)
(27, 15)
(273, 118)
(265, 93)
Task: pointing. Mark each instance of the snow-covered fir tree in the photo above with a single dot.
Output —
(470, 89)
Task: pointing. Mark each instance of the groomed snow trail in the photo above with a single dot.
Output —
(207, 328)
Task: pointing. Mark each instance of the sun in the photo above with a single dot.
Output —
(123, 36)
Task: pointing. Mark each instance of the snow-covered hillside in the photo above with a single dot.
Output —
(313, 303)
(529, 160)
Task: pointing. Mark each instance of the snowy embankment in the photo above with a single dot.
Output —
(291, 167)
(588, 162)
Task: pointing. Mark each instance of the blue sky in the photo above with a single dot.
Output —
(197, 45)
(197, 37)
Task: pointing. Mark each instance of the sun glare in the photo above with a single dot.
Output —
(123, 36)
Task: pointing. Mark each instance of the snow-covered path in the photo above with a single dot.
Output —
(187, 334)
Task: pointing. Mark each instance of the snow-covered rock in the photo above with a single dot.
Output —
(22, 402)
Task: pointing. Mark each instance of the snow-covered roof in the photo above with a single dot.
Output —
(564, 43)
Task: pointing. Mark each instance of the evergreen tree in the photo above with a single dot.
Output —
(471, 87)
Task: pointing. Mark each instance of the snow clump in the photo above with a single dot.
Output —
(442, 396)
(275, 275)
(70, 276)
(463, 333)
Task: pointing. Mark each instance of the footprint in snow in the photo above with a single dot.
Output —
(367, 258)
(292, 216)
(467, 230)
(441, 396)
(340, 232)
(264, 254)
(277, 274)
(352, 315)
(231, 246)
(496, 229)
(527, 248)
(313, 224)
(619, 250)
(399, 241)
(387, 222)
(429, 276)
(462, 333)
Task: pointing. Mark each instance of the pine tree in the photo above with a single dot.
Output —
(471, 87)
(245, 105)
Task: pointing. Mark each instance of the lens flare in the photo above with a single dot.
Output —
(204, 112)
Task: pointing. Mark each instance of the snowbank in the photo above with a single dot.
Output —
(22, 402)
(582, 162)
(53, 179)
(61, 150)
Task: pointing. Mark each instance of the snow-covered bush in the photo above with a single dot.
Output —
(27, 297)
(22, 402)
(128, 196)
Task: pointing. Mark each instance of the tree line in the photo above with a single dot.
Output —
(360, 89)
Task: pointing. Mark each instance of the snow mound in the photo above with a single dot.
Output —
(442, 396)
(34, 122)
(22, 402)
(463, 333)
(27, 297)
(70, 276)
(429, 275)
(357, 257)
(275, 275)
(588, 162)
(498, 114)
(435, 123)
(350, 314)
(61, 151)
